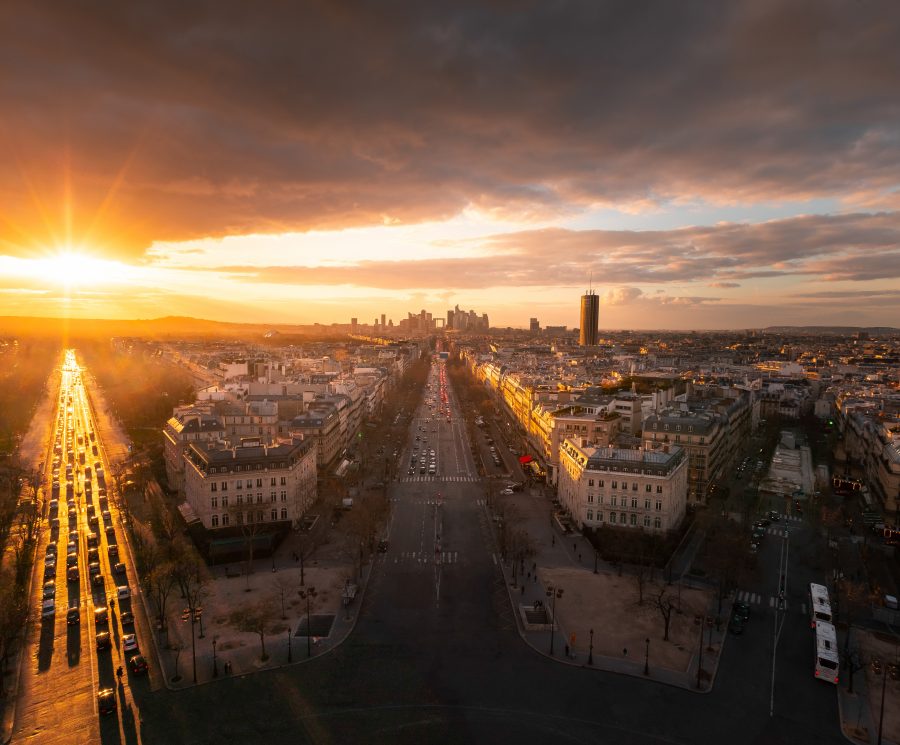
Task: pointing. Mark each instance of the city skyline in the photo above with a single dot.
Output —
(445, 157)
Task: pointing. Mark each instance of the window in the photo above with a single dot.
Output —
(600, 483)
(590, 498)
(615, 484)
(600, 499)
(623, 518)
(259, 498)
(646, 521)
(214, 502)
(634, 503)
(259, 516)
(590, 482)
(258, 482)
(250, 516)
(658, 505)
(273, 496)
(613, 502)
(240, 498)
(284, 496)
(659, 488)
(215, 521)
(224, 486)
(646, 504)
(284, 481)
(273, 482)
(612, 517)
(224, 500)
(274, 515)
(240, 518)
(590, 515)
(239, 484)
(599, 517)
(648, 488)
(224, 520)
(214, 486)
(634, 486)
(657, 523)
(284, 513)
(633, 519)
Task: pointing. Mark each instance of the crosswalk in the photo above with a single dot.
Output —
(418, 479)
(425, 557)
(767, 601)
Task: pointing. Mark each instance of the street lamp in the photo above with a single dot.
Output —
(215, 662)
(552, 594)
(307, 595)
(591, 648)
(647, 656)
(290, 652)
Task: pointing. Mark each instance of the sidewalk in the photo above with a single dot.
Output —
(859, 711)
(596, 600)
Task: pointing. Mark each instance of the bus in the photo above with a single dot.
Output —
(826, 667)
(819, 605)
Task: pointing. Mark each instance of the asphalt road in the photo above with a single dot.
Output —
(64, 670)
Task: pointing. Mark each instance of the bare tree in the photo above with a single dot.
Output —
(255, 619)
(176, 647)
(13, 619)
(283, 584)
(665, 603)
(160, 582)
(193, 580)
(854, 660)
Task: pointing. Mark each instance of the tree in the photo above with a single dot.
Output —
(247, 520)
(665, 603)
(13, 618)
(854, 660)
(255, 619)
(191, 576)
(283, 584)
(160, 582)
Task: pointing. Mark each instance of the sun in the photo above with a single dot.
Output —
(74, 269)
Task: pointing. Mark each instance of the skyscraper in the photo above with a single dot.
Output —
(590, 316)
(534, 325)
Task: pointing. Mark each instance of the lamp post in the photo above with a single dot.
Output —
(647, 656)
(215, 661)
(307, 595)
(884, 670)
(290, 651)
(591, 648)
(552, 594)
(595, 561)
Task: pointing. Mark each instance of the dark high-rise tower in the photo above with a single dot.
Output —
(590, 317)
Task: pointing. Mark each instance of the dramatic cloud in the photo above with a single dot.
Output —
(171, 121)
(847, 247)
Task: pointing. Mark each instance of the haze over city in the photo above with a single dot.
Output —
(709, 165)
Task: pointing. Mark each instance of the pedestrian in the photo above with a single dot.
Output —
(529, 575)
(567, 650)
(574, 546)
(579, 557)
(523, 589)
(553, 540)
(535, 576)
(534, 567)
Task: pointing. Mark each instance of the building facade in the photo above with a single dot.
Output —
(635, 489)
(250, 483)
(590, 319)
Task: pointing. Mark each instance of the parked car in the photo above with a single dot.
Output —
(73, 615)
(106, 701)
(103, 641)
(130, 643)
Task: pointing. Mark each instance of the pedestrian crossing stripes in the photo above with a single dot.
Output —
(754, 598)
(777, 531)
(417, 479)
(424, 557)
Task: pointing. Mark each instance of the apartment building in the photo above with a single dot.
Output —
(635, 489)
(250, 483)
(184, 428)
(321, 423)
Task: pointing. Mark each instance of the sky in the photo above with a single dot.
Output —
(697, 164)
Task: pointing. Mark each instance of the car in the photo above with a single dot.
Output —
(49, 570)
(72, 574)
(94, 521)
(123, 592)
(49, 590)
(411, 471)
(93, 554)
(423, 470)
(110, 533)
(101, 616)
(107, 517)
(112, 551)
(754, 547)
(138, 665)
(71, 560)
(130, 643)
(127, 618)
(118, 568)
(104, 641)
(73, 615)
(51, 549)
(48, 608)
(507, 492)
(758, 535)
(736, 625)
(98, 580)
(763, 523)
(382, 546)
(94, 568)
(106, 701)
(742, 611)
(92, 540)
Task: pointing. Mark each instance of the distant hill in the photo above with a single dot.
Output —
(160, 328)
(832, 330)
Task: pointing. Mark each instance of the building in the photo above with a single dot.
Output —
(250, 483)
(534, 326)
(184, 428)
(627, 488)
(590, 318)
